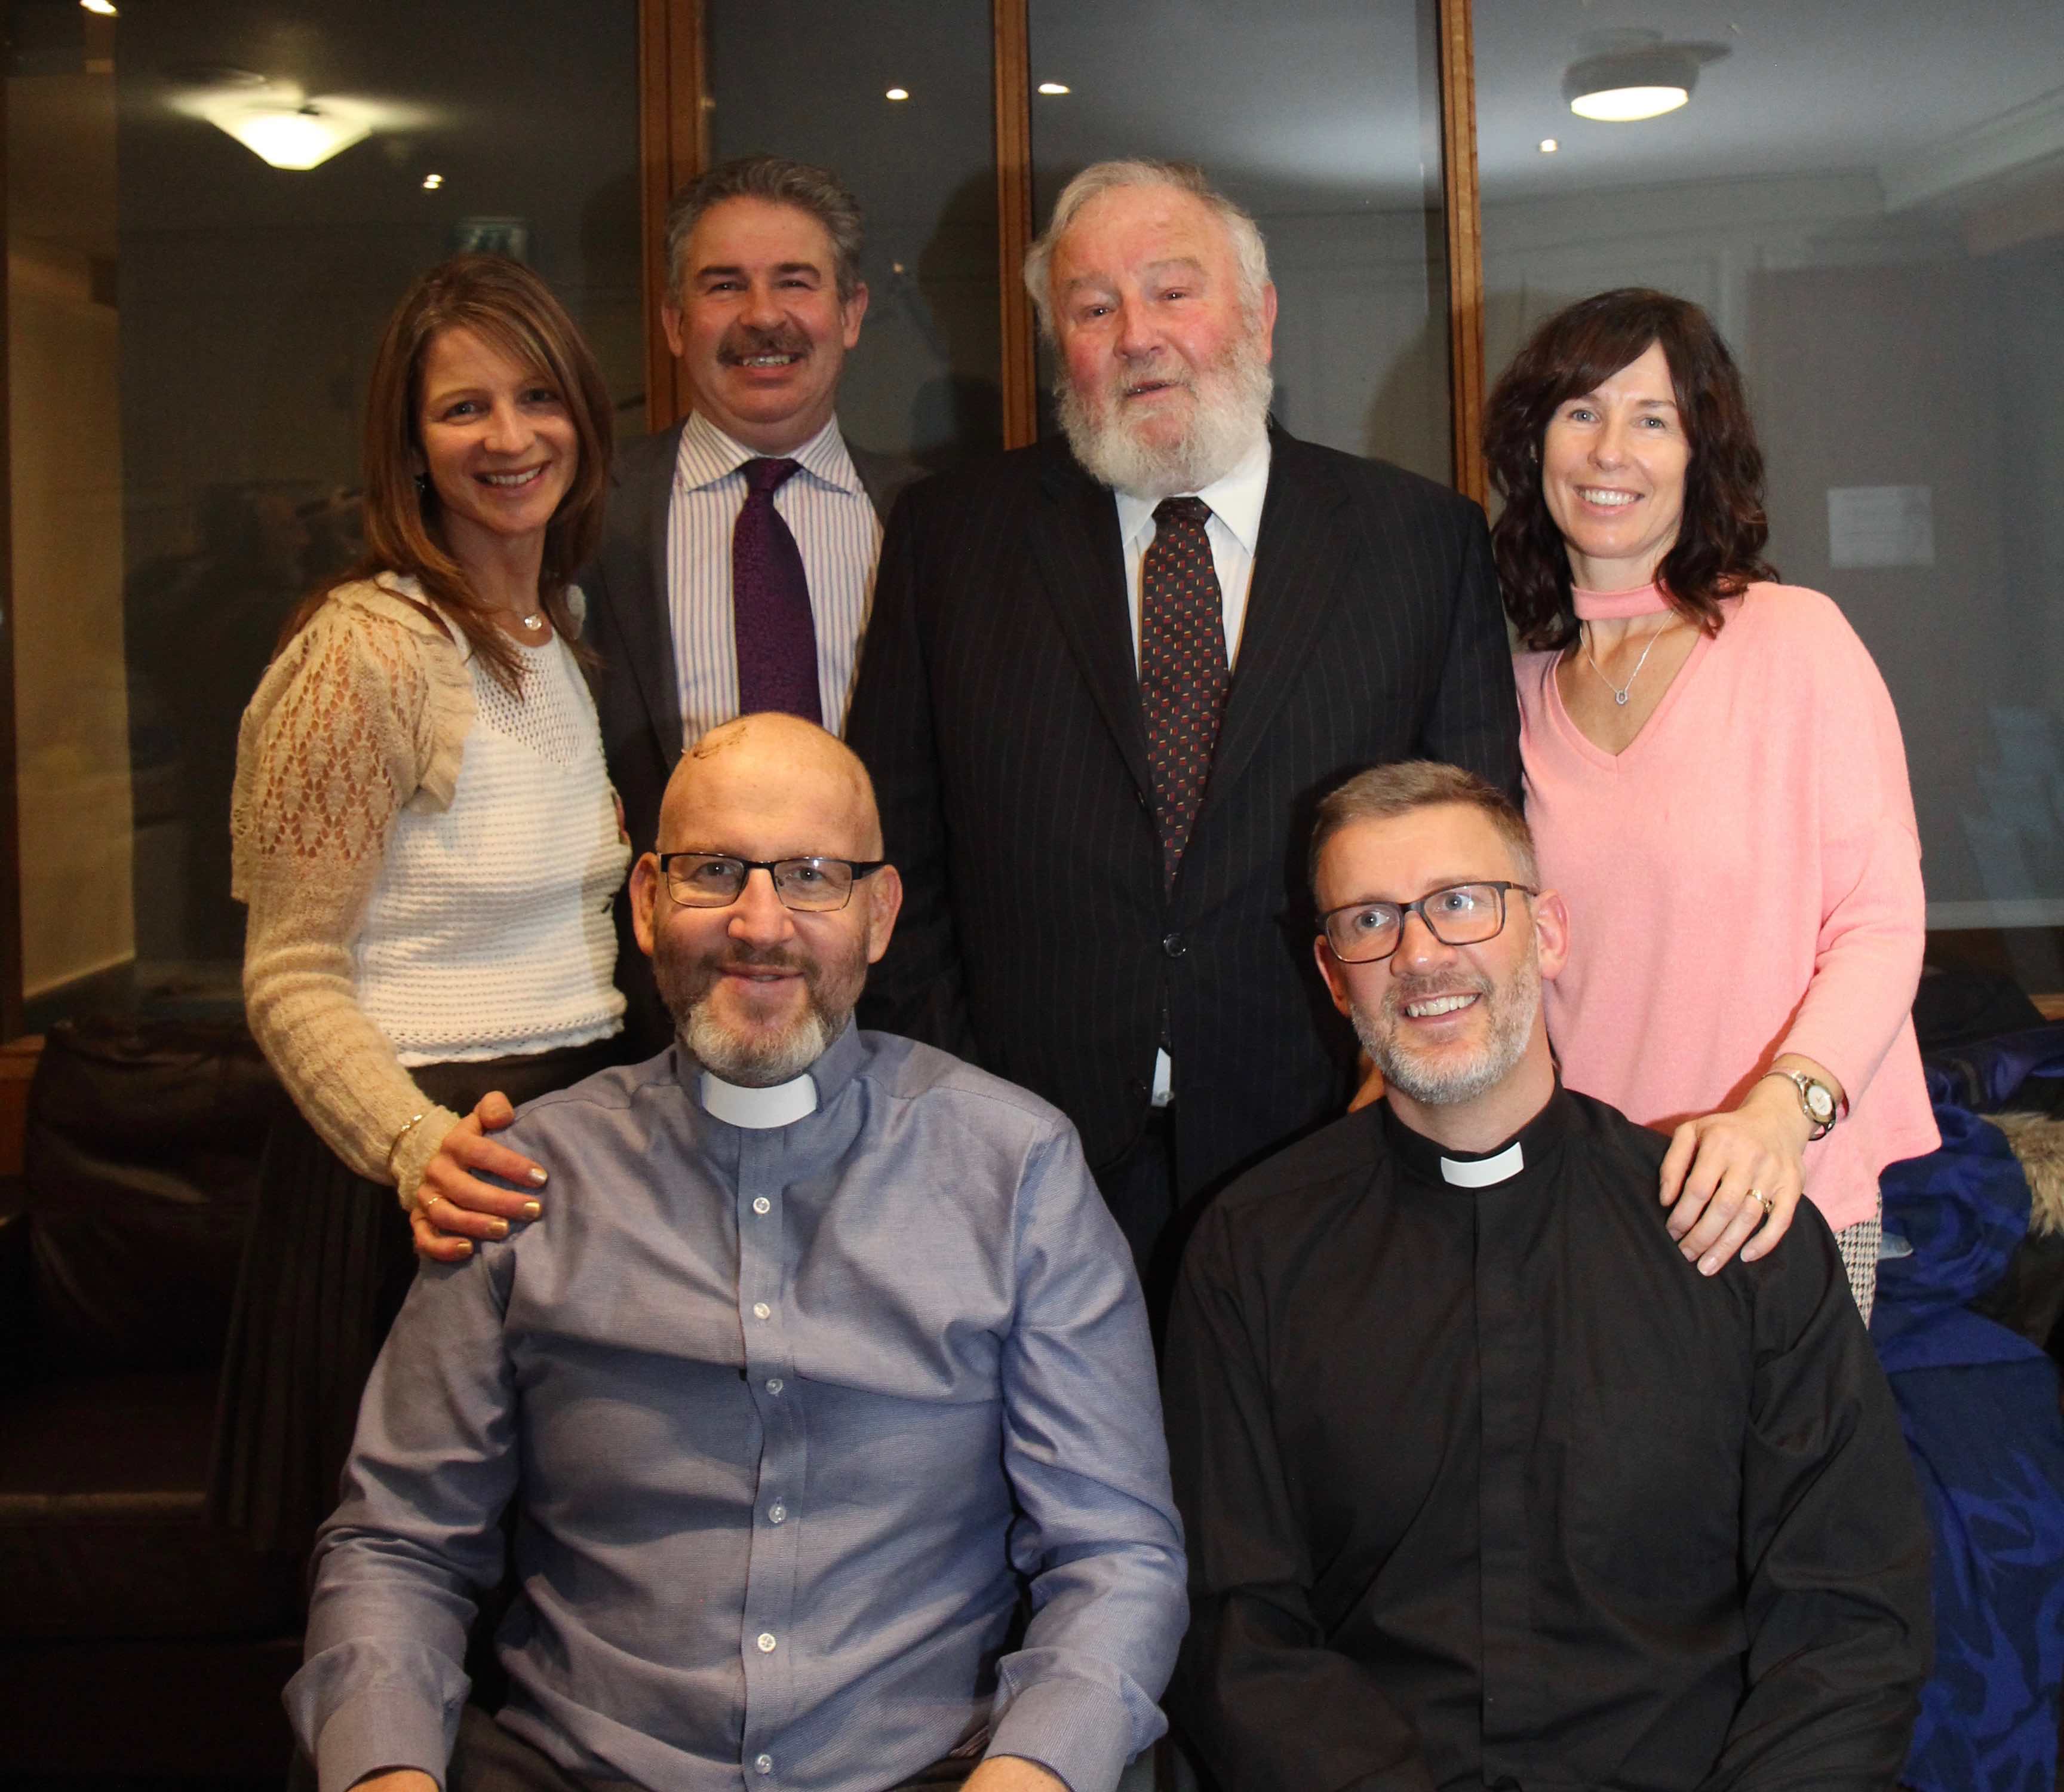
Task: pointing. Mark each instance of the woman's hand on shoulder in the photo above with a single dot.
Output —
(452, 1206)
(1721, 1169)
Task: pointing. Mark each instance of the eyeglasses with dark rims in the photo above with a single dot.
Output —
(810, 885)
(1462, 914)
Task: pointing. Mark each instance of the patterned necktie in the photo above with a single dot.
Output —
(1183, 669)
(770, 603)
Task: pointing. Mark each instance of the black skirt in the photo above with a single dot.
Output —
(327, 1262)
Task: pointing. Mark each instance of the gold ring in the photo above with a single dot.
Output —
(1762, 1201)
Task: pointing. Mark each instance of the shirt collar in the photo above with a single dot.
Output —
(1235, 500)
(816, 1089)
(1465, 1171)
(707, 455)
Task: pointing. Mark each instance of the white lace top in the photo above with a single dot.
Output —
(428, 863)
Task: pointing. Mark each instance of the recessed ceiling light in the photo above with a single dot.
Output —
(105, 8)
(289, 137)
(1052, 86)
(432, 182)
(898, 93)
(1549, 146)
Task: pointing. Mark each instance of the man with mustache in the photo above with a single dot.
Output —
(1108, 676)
(739, 561)
(824, 1393)
(1481, 1489)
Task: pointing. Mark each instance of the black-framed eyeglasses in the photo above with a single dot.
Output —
(715, 880)
(1462, 914)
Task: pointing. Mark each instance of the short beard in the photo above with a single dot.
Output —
(1513, 1009)
(1231, 412)
(759, 1060)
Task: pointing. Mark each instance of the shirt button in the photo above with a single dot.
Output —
(1172, 945)
(762, 1205)
(777, 1511)
(763, 1764)
(766, 1642)
(762, 1310)
(774, 1386)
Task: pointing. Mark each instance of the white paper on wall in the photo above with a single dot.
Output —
(1880, 526)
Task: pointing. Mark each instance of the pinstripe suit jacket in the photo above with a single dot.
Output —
(998, 706)
(637, 689)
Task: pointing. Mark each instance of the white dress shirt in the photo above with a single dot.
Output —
(1236, 502)
(1234, 525)
(829, 512)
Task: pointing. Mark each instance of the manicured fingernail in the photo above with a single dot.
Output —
(533, 1211)
(1709, 1265)
(464, 1248)
(499, 1230)
(537, 1177)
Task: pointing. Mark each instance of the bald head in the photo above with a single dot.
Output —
(799, 791)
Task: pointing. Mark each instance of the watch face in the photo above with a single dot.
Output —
(1819, 1102)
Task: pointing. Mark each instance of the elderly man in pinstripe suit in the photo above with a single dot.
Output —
(1107, 680)
(739, 561)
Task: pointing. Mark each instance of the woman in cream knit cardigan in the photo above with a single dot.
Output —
(427, 843)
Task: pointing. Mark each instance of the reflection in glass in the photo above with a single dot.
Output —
(897, 102)
(189, 331)
(1890, 275)
(1323, 121)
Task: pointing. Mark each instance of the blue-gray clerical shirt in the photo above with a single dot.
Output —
(793, 1419)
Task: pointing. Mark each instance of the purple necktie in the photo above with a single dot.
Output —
(770, 603)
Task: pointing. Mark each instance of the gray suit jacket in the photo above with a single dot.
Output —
(636, 695)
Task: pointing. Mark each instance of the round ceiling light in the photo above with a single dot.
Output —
(1627, 85)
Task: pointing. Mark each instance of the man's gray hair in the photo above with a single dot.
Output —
(1383, 792)
(780, 181)
(1249, 252)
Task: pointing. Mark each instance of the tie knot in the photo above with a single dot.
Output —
(1182, 509)
(765, 475)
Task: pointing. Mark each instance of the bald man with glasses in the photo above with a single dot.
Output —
(824, 1392)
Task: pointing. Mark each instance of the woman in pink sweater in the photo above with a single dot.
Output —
(1716, 778)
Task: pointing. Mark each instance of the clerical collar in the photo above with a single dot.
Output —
(1526, 1149)
(757, 1110)
(820, 1086)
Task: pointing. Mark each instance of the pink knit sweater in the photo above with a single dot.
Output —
(1743, 880)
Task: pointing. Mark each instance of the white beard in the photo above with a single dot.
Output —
(1229, 415)
(757, 1063)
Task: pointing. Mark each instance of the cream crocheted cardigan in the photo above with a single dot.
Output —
(365, 713)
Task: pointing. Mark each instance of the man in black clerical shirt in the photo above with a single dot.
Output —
(1483, 1487)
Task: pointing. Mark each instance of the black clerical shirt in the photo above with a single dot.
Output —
(1487, 1487)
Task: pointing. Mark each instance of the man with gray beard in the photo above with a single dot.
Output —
(1483, 1487)
(1108, 676)
(823, 1394)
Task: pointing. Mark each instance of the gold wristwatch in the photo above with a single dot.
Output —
(1815, 1098)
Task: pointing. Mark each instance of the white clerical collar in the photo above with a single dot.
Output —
(759, 1109)
(1481, 1172)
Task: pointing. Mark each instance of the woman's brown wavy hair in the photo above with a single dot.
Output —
(1719, 549)
(514, 311)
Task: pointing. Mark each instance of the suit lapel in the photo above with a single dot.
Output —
(1080, 559)
(645, 622)
(1305, 556)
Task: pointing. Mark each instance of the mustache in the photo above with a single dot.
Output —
(743, 340)
(749, 957)
(1425, 989)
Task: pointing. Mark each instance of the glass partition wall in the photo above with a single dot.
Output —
(1870, 201)
(192, 313)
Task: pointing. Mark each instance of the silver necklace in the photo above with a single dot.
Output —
(1620, 692)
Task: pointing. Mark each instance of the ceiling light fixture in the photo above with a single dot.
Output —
(292, 137)
(1052, 87)
(1549, 146)
(1644, 83)
(105, 8)
(432, 182)
(897, 93)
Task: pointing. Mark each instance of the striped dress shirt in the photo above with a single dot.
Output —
(829, 512)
